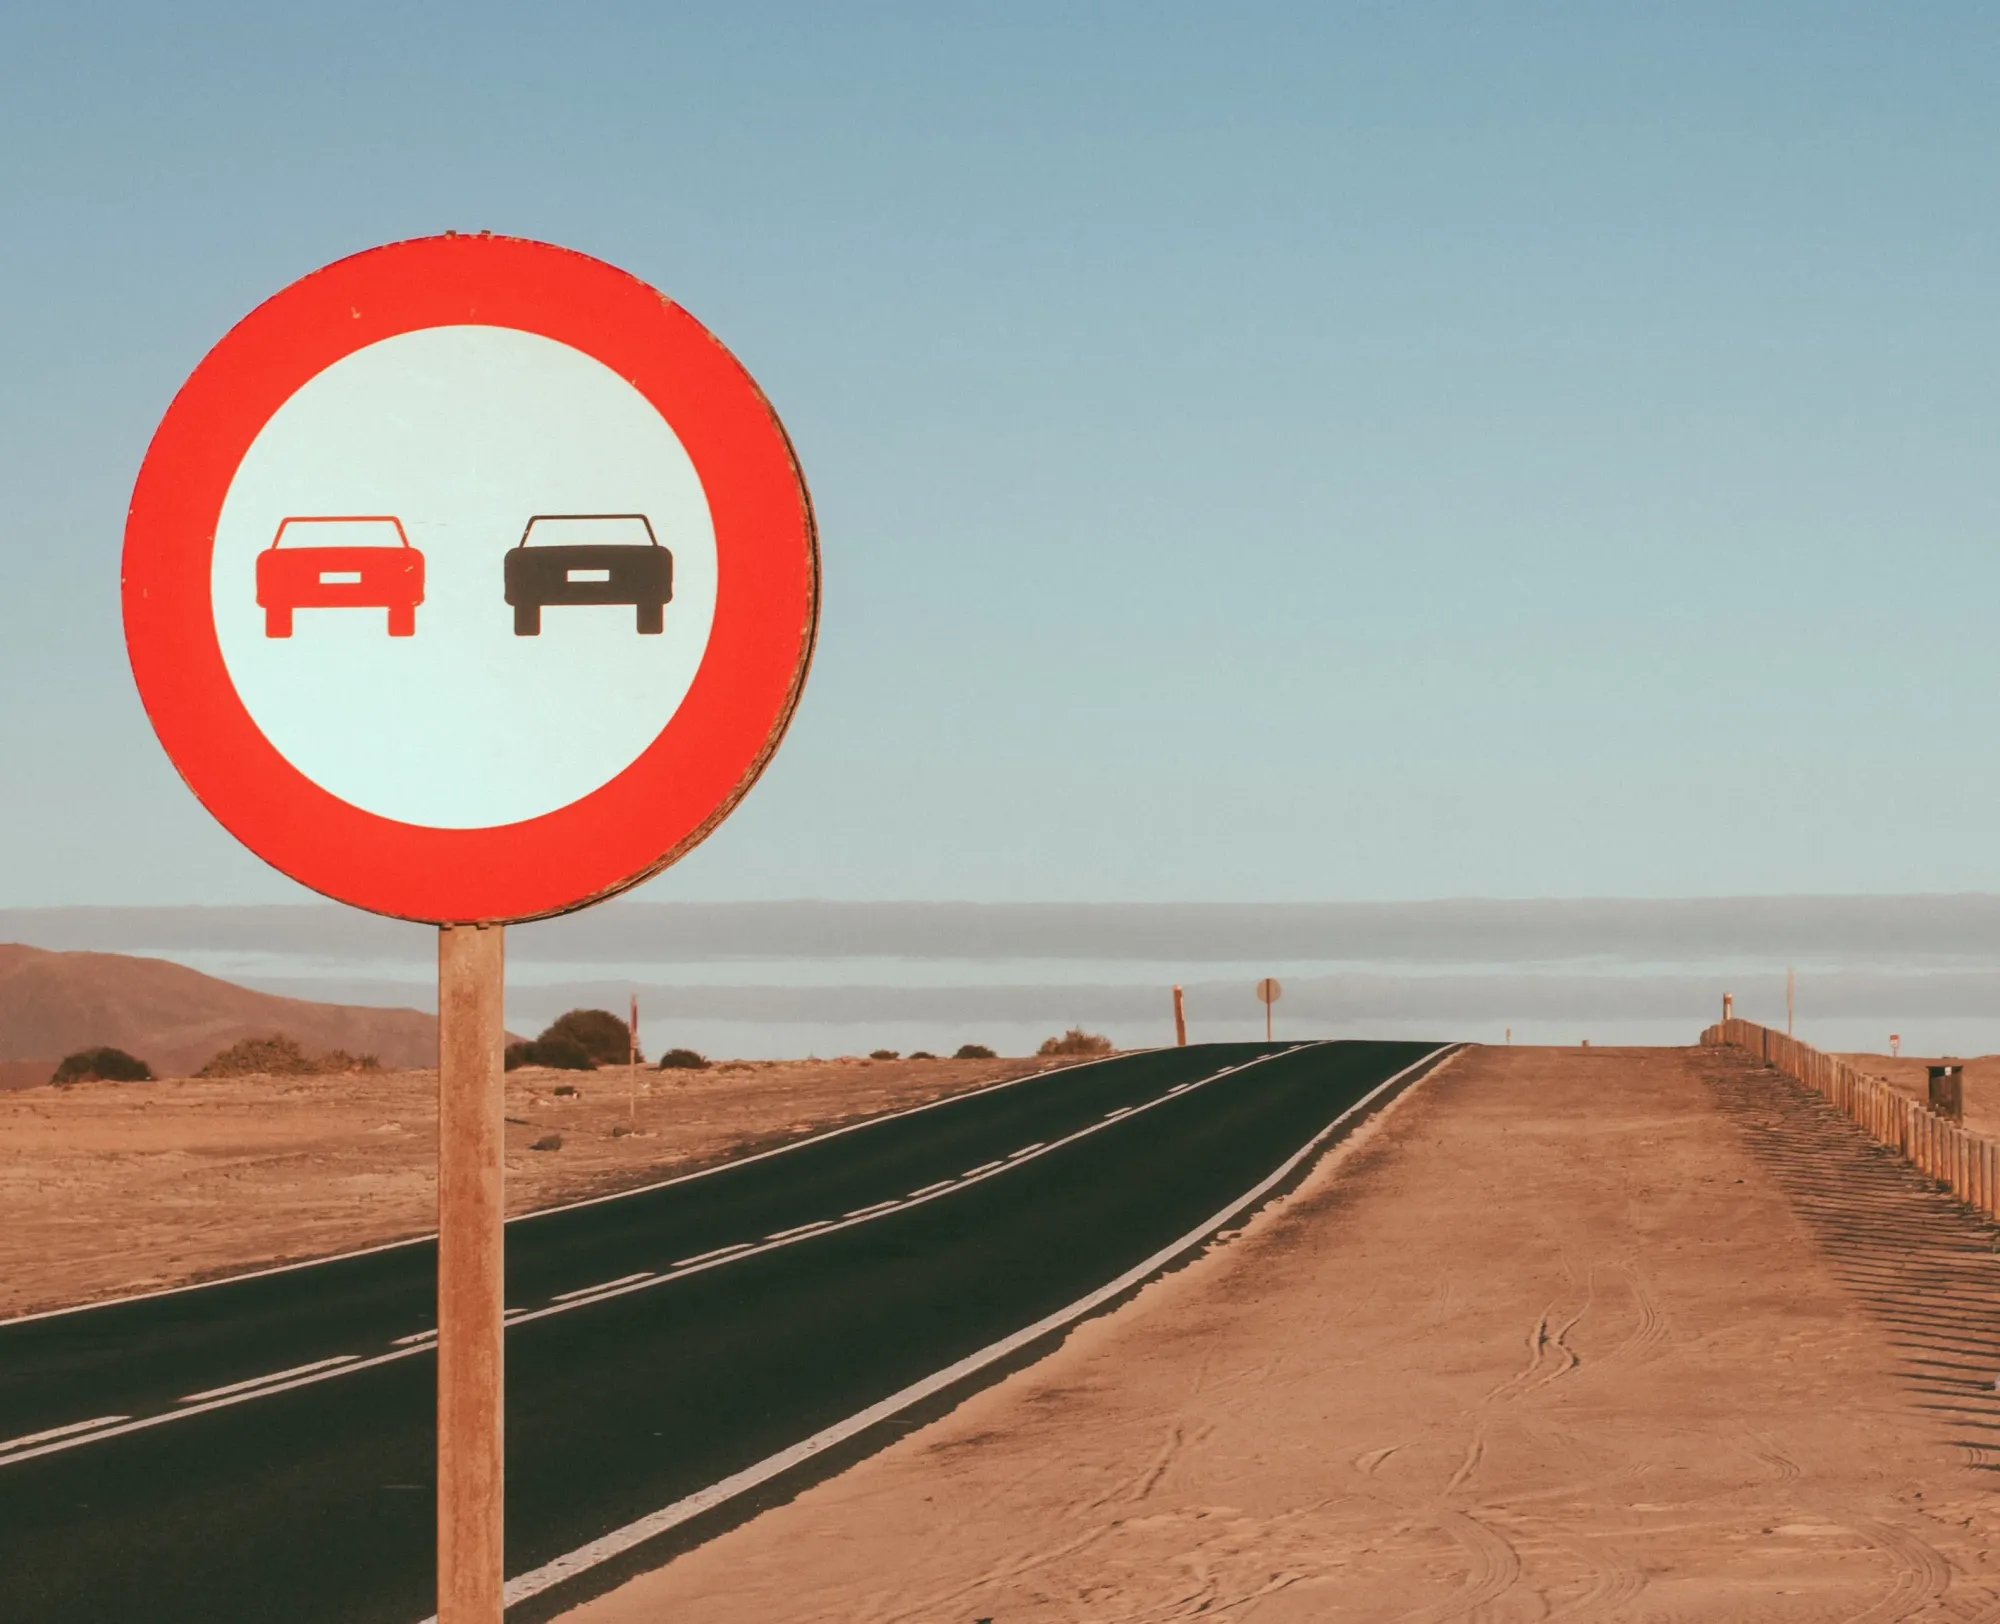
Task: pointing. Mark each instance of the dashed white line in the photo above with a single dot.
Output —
(1122, 1110)
(720, 1251)
(274, 1376)
(880, 1206)
(419, 1342)
(602, 1285)
(802, 1229)
(1027, 1150)
(61, 1432)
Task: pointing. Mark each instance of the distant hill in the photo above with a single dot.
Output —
(174, 1018)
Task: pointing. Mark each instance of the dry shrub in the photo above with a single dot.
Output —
(1076, 1041)
(280, 1056)
(277, 1056)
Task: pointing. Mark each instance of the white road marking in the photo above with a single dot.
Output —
(591, 1201)
(880, 1206)
(274, 1376)
(802, 1229)
(61, 1432)
(1027, 1150)
(1178, 1087)
(423, 1341)
(633, 1534)
(720, 1251)
(974, 1172)
(606, 1285)
(1123, 1110)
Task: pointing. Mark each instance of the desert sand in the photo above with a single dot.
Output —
(1577, 1334)
(110, 1188)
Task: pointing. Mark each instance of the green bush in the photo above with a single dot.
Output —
(102, 1065)
(1076, 1041)
(974, 1051)
(519, 1054)
(683, 1060)
(561, 1052)
(922, 1054)
(883, 1054)
(600, 1034)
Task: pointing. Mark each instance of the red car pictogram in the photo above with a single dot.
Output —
(386, 576)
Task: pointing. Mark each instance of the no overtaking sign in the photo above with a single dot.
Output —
(470, 579)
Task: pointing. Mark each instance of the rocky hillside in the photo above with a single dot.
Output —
(172, 1017)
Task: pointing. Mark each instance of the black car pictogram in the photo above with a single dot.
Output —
(556, 576)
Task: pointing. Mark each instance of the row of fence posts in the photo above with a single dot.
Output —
(1969, 1163)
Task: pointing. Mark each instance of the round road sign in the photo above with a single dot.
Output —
(1268, 990)
(470, 579)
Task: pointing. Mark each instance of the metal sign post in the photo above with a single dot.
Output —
(423, 505)
(1268, 993)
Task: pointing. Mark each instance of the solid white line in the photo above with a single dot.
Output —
(802, 1229)
(275, 1376)
(60, 1432)
(720, 1251)
(1027, 1150)
(424, 1342)
(1108, 1115)
(880, 1206)
(573, 1206)
(605, 1285)
(621, 1540)
(985, 1167)
(735, 1254)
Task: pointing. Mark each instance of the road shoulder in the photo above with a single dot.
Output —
(1545, 1336)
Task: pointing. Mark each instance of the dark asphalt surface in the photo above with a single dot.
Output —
(316, 1503)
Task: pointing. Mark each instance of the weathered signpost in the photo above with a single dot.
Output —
(469, 581)
(1268, 993)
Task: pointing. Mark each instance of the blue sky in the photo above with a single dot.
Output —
(1261, 452)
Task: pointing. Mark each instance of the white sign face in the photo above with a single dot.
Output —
(455, 689)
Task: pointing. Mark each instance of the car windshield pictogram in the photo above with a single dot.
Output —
(560, 574)
(380, 575)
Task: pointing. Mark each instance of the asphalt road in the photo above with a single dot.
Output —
(262, 1449)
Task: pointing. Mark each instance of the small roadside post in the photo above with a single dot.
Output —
(1268, 993)
(632, 1063)
(407, 420)
(1180, 1021)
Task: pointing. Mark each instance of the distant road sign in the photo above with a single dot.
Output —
(587, 531)
(1268, 993)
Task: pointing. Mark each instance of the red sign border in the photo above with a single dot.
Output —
(705, 759)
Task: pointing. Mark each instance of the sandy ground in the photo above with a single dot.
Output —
(107, 1188)
(1577, 1334)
